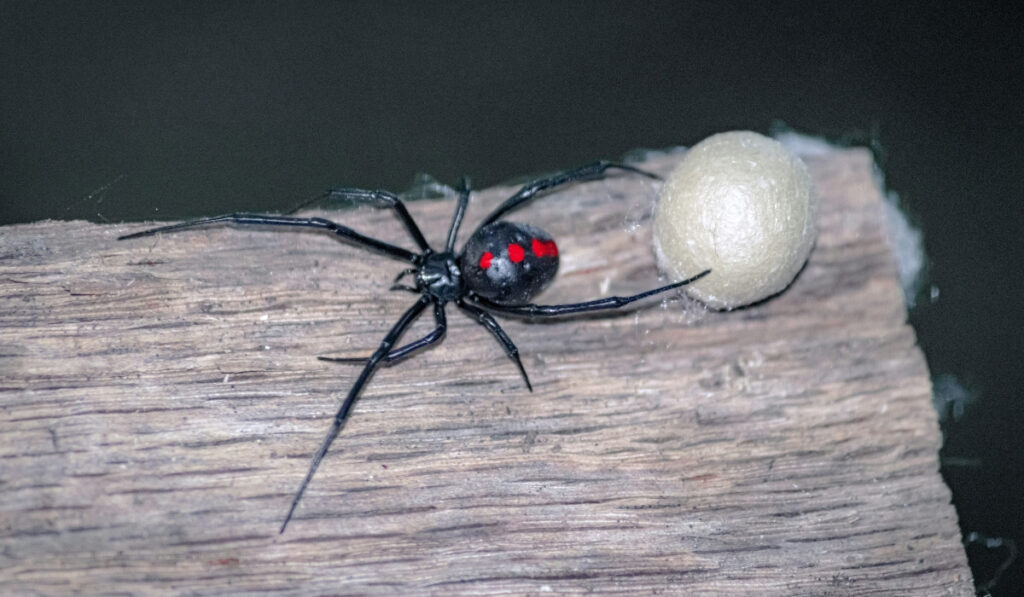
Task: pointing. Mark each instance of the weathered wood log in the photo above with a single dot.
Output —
(160, 402)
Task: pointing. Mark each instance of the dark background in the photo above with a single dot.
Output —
(131, 111)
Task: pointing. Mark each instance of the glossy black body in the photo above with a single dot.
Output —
(509, 262)
(523, 260)
(441, 277)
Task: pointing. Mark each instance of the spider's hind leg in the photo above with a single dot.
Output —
(603, 304)
(485, 319)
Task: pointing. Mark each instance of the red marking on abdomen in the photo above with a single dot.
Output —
(485, 260)
(544, 248)
(516, 253)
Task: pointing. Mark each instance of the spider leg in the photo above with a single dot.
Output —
(342, 415)
(485, 319)
(267, 220)
(460, 210)
(432, 338)
(405, 272)
(589, 172)
(611, 302)
(378, 198)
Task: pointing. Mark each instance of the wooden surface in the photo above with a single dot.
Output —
(160, 401)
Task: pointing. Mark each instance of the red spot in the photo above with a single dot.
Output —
(544, 248)
(225, 562)
(516, 253)
(485, 260)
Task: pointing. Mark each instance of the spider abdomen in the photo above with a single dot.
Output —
(509, 262)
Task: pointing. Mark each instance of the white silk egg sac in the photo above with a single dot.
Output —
(741, 205)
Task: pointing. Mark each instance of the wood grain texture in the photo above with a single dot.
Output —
(160, 401)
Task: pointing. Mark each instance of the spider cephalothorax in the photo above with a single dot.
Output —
(501, 267)
(440, 277)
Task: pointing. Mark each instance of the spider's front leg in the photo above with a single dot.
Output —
(378, 198)
(592, 171)
(268, 220)
(341, 416)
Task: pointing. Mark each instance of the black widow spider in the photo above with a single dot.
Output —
(501, 267)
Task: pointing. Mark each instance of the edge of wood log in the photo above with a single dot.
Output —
(160, 400)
